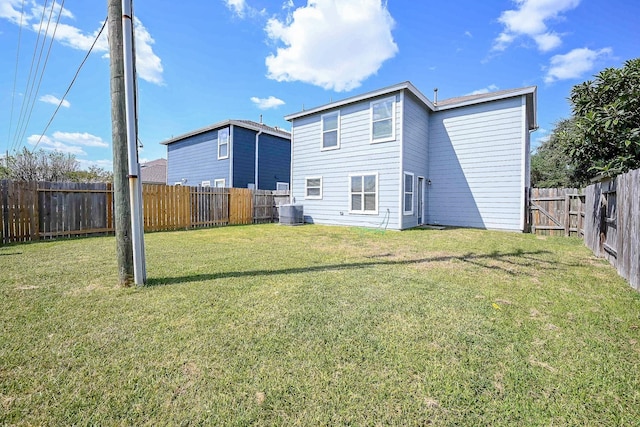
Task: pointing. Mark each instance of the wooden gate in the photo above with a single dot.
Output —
(240, 206)
(557, 211)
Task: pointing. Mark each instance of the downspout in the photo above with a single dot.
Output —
(255, 180)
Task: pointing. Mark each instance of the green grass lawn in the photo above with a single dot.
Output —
(273, 325)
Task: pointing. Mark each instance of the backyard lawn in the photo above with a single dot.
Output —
(312, 325)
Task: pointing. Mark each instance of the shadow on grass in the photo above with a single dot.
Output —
(528, 259)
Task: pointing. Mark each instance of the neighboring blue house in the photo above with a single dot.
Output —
(393, 158)
(232, 153)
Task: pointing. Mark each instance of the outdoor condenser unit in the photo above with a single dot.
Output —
(291, 214)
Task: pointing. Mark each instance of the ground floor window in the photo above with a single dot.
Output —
(363, 193)
(220, 183)
(313, 188)
(408, 193)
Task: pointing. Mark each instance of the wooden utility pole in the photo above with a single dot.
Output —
(124, 245)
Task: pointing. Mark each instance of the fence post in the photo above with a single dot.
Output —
(567, 215)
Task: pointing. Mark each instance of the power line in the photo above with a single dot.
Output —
(15, 75)
(33, 59)
(46, 60)
(71, 84)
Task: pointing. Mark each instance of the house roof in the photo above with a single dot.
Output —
(154, 172)
(462, 101)
(247, 124)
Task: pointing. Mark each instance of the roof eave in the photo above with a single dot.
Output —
(358, 98)
(225, 123)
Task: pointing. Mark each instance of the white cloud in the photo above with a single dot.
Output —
(468, 34)
(334, 44)
(490, 88)
(529, 20)
(106, 164)
(574, 64)
(67, 142)
(241, 9)
(47, 143)
(50, 99)
(77, 138)
(148, 64)
(266, 103)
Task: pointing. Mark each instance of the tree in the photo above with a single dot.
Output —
(49, 166)
(607, 115)
(550, 164)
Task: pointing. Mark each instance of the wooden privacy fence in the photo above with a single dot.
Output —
(47, 210)
(606, 215)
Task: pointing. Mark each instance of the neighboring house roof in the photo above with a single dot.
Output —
(247, 124)
(154, 172)
(530, 92)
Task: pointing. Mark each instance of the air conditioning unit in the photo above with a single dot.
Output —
(291, 214)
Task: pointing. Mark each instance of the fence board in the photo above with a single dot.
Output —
(556, 211)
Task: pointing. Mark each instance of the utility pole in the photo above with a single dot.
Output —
(135, 186)
(124, 246)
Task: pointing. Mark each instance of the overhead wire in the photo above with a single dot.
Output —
(71, 84)
(15, 75)
(46, 60)
(33, 60)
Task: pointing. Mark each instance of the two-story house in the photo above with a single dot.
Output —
(231, 153)
(392, 158)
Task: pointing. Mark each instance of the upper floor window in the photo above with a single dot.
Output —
(223, 143)
(331, 131)
(383, 120)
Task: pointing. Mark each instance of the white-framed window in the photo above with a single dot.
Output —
(205, 184)
(363, 193)
(177, 183)
(313, 187)
(383, 113)
(408, 193)
(220, 183)
(282, 186)
(331, 131)
(223, 144)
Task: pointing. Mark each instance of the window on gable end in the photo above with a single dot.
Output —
(331, 131)
(223, 144)
(383, 120)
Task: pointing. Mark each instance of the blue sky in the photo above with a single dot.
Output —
(201, 62)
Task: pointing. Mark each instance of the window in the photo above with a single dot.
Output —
(223, 144)
(313, 188)
(220, 183)
(363, 193)
(205, 184)
(382, 120)
(408, 193)
(331, 131)
(282, 186)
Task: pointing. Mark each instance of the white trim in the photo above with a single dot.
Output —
(404, 192)
(401, 157)
(218, 181)
(421, 197)
(281, 133)
(231, 131)
(283, 184)
(393, 120)
(306, 180)
(177, 183)
(337, 130)
(363, 174)
(369, 95)
(523, 164)
(222, 132)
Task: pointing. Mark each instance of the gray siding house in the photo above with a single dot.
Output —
(232, 153)
(392, 158)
